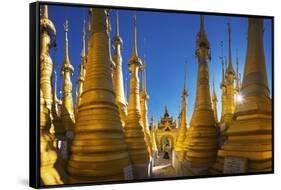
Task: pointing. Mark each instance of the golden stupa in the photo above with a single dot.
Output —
(153, 137)
(223, 93)
(202, 135)
(98, 151)
(229, 84)
(118, 75)
(67, 113)
(133, 128)
(82, 70)
(48, 142)
(47, 41)
(143, 105)
(182, 120)
(214, 103)
(48, 155)
(56, 112)
(248, 147)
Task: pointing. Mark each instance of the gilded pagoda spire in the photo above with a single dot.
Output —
(67, 70)
(82, 66)
(201, 142)
(230, 77)
(229, 69)
(223, 88)
(183, 119)
(98, 150)
(58, 125)
(133, 128)
(134, 56)
(214, 101)
(143, 104)
(118, 82)
(153, 135)
(250, 133)
(55, 110)
(48, 174)
(47, 41)
(237, 87)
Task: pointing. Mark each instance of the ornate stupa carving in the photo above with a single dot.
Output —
(48, 155)
(183, 120)
(47, 41)
(98, 150)
(202, 134)
(82, 69)
(249, 142)
(143, 104)
(118, 83)
(67, 114)
(133, 128)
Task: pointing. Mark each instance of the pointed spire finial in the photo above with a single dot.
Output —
(152, 119)
(66, 62)
(237, 72)
(65, 27)
(184, 84)
(166, 111)
(230, 69)
(45, 11)
(143, 77)
(117, 23)
(213, 82)
(83, 53)
(222, 60)
(134, 57)
(135, 51)
(229, 43)
(237, 63)
(214, 90)
(201, 23)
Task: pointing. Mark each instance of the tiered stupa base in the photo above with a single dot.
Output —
(137, 149)
(248, 147)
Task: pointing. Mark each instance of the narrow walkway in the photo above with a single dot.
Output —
(163, 167)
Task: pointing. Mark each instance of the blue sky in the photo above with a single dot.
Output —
(168, 42)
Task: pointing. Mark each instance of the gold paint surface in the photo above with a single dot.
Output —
(98, 136)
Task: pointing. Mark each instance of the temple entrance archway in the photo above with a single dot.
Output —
(166, 140)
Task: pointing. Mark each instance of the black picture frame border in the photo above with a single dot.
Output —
(34, 93)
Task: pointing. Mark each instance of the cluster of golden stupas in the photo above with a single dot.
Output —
(241, 142)
(105, 138)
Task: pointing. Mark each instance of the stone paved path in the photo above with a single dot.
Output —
(163, 168)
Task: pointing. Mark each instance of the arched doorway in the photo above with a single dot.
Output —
(166, 140)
